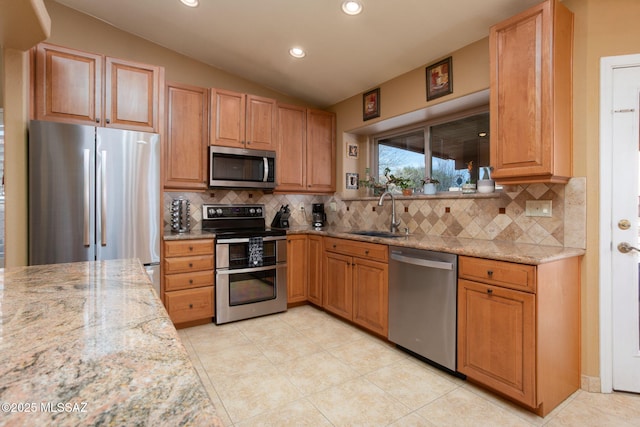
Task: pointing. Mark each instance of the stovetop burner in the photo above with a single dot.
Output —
(236, 221)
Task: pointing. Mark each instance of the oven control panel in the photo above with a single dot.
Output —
(232, 211)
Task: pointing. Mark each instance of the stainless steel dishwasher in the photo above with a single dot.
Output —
(422, 303)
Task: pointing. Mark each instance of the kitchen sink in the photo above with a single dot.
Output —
(374, 233)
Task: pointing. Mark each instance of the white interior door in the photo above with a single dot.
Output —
(622, 198)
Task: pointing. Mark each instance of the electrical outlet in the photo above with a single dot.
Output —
(333, 206)
(538, 208)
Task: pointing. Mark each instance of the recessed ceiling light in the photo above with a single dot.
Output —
(297, 52)
(190, 3)
(351, 7)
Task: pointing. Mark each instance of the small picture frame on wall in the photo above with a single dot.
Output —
(352, 181)
(439, 79)
(353, 150)
(371, 104)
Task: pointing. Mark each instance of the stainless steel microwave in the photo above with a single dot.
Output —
(241, 168)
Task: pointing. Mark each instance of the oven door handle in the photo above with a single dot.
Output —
(250, 269)
(246, 240)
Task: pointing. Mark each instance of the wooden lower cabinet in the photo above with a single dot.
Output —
(357, 287)
(188, 281)
(519, 329)
(314, 267)
(296, 268)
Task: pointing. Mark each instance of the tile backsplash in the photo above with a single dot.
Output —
(500, 216)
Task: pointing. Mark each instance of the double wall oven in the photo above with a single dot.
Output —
(251, 262)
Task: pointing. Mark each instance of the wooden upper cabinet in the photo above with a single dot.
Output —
(261, 123)
(531, 96)
(243, 121)
(83, 88)
(131, 95)
(68, 85)
(292, 148)
(306, 150)
(321, 151)
(187, 137)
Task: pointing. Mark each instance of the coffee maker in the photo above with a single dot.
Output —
(319, 217)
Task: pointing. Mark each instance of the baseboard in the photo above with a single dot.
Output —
(590, 384)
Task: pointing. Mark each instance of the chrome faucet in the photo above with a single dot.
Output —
(395, 225)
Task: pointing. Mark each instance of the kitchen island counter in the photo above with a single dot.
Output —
(90, 343)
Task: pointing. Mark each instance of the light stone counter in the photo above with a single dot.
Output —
(522, 253)
(91, 344)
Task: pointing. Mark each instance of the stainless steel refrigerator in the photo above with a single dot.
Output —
(94, 194)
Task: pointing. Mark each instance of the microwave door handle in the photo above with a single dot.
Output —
(266, 169)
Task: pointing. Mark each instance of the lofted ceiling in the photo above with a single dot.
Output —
(346, 55)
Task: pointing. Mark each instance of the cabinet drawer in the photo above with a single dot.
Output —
(188, 264)
(175, 248)
(199, 279)
(365, 250)
(191, 304)
(499, 273)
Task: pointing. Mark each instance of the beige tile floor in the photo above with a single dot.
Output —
(307, 368)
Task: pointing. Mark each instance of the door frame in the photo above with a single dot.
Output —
(607, 66)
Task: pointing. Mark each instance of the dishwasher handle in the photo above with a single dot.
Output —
(396, 256)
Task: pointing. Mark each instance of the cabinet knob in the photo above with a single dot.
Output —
(191, 281)
(366, 252)
(490, 273)
(248, 142)
(190, 305)
(190, 264)
(334, 246)
(489, 291)
(108, 121)
(97, 119)
(191, 248)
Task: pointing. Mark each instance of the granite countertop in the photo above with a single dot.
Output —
(90, 343)
(523, 253)
(193, 234)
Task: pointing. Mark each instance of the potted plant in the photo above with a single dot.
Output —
(486, 184)
(372, 185)
(429, 185)
(398, 181)
(469, 187)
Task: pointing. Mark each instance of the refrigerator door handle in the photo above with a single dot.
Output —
(87, 195)
(103, 200)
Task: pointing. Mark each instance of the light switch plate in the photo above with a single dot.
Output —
(538, 208)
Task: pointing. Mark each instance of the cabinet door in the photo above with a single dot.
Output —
(496, 339)
(261, 123)
(338, 290)
(291, 150)
(185, 155)
(321, 152)
(314, 269)
(68, 85)
(227, 118)
(296, 268)
(371, 295)
(132, 95)
(531, 106)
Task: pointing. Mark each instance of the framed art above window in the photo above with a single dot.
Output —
(439, 79)
(371, 104)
